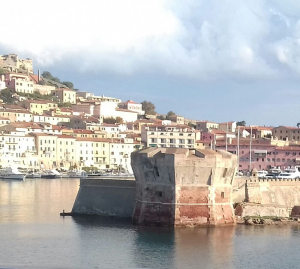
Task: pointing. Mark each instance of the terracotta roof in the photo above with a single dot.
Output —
(1, 118)
(287, 127)
(142, 121)
(93, 139)
(216, 131)
(42, 134)
(171, 125)
(34, 78)
(39, 102)
(66, 136)
(13, 107)
(15, 111)
(131, 102)
(82, 131)
(109, 125)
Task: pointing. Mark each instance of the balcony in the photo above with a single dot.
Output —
(11, 142)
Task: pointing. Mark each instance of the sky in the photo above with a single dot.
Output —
(212, 60)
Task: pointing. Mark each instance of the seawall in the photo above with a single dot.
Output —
(105, 197)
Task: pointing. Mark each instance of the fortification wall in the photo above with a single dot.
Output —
(105, 197)
(276, 192)
(183, 187)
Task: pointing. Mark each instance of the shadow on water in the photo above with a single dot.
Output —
(88, 221)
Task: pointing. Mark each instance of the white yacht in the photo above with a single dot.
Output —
(11, 173)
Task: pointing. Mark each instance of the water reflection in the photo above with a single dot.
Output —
(36, 200)
(33, 235)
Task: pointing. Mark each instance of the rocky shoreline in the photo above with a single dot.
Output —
(267, 221)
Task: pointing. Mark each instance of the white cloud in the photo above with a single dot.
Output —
(201, 39)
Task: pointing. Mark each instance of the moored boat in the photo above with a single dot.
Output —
(11, 173)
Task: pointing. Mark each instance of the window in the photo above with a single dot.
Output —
(225, 172)
(222, 194)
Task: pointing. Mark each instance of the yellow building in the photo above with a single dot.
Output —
(38, 106)
(46, 149)
(65, 95)
(65, 151)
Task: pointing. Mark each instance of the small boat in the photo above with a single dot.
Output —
(56, 173)
(11, 173)
(48, 174)
(74, 173)
(33, 174)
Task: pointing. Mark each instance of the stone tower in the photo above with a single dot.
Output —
(183, 187)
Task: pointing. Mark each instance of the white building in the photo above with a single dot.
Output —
(178, 136)
(17, 149)
(133, 106)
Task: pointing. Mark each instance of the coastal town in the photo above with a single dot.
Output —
(47, 124)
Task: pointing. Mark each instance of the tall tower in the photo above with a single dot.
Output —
(183, 187)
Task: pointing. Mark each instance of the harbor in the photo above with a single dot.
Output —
(31, 225)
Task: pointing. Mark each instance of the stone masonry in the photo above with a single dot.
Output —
(183, 187)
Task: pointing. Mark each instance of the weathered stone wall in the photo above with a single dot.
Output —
(282, 193)
(183, 187)
(105, 197)
(252, 210)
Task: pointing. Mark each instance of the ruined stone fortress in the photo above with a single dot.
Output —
(12, 63)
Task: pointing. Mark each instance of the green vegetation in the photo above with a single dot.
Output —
(192, 125)
(241, 123)
(2, 71)
(112, 120)
(6, 96)
(64, 104)
(38, 96)
(69, 84)
(48, 75)
(170, 114)
(148, 107)
(161, 117)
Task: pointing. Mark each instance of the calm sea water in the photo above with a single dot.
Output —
(33, 235)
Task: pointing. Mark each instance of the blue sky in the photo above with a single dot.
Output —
(206, 60)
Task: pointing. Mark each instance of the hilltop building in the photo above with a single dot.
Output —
(12, 63)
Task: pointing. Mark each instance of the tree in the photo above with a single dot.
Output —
(241, 123)
(192, 125)
(47, 75)
(160, 117)
(109, 120)
(171, 113)
(6, 96)
(2, 71)
(42, 82)
(298, 124)
(119, 120)
(69, 84)
(148, 107)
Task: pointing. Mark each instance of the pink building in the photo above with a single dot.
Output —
(264, 155)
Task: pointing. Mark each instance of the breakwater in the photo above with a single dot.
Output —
(105, 197)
